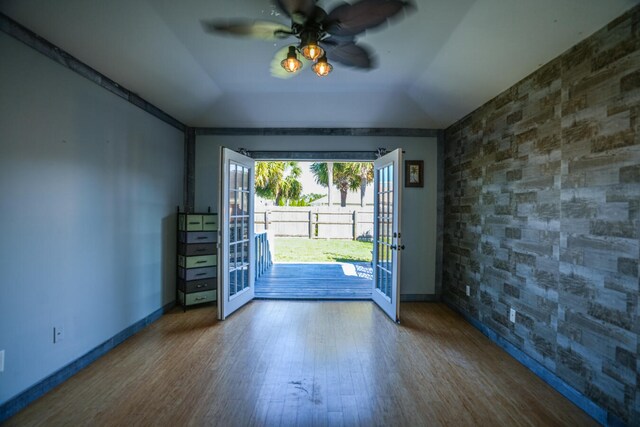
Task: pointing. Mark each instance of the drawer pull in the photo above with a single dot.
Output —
(201, 237)
(194, 222)
(200, 298)
(201, 274)
(201, 262)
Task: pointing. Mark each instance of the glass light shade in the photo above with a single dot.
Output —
(322, 67)
(312, 51)
(291, 63)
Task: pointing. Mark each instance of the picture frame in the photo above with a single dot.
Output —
(414, 173)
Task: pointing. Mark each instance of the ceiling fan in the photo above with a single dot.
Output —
(322, 36)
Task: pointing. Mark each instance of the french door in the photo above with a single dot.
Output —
(387, 242)
(236, 232)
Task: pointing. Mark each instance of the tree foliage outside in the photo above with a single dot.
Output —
(346, 176)
(278, 181)
(306, 199)
(366, 176)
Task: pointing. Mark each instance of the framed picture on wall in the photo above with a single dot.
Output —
(414, 173)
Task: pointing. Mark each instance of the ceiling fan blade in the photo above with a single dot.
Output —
(297, 10)
(351, 55)
(333, 41)
(279, 72)
(318, 15)
(265, 30)
(351, 19)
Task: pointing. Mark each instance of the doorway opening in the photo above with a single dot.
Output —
(314, 229)
(239, 251)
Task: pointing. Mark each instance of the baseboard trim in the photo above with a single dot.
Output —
(419, 298)
(595, 411)
(24, 399)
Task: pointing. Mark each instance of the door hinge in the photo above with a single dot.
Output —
(381, 151)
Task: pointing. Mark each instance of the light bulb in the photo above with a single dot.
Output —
(291, 63)
(322, 67)
(312, 51)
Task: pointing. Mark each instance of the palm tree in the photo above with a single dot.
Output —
(278, 181)
(346, 176)
(366, 176)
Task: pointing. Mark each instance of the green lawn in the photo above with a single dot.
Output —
(289, 249)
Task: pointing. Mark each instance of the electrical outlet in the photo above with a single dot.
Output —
(468, 290)
(512, 315)
(1, 360)
(58, 334)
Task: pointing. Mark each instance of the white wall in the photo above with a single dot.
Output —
(88, 189)
(419, 204)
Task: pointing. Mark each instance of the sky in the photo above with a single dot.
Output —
(308, 181)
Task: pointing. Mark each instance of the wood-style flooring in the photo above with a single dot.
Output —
(306, 363)
(333, 280)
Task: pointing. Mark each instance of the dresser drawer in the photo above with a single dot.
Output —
(197, 273)
(194, 222)
(196, 297)
(198, 237)
(197, 261)
(197, 249)
(197, 285)
(190, 222)
(210, 222)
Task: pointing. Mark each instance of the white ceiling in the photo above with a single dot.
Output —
(434, 66)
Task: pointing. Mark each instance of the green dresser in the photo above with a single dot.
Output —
(197, 258)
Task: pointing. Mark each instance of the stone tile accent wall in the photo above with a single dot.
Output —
(542, 214)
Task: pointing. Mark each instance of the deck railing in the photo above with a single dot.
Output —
(263, 253)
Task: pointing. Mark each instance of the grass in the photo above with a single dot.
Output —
(291, 249)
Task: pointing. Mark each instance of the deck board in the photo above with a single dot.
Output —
(337, 280)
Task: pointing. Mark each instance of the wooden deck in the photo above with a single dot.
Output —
(316, 281)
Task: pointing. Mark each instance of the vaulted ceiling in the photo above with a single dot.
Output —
(435, 65)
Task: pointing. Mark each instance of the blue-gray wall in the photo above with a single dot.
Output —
(88, 188)
(419, 205)
(542, 214)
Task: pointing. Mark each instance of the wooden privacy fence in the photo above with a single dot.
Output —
(316, 222)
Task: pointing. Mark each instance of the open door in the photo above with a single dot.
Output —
(236, 252)
(387, 244)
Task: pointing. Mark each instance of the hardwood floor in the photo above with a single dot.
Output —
(335, 280)
(306, 363)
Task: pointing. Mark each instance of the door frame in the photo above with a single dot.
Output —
(315, 156)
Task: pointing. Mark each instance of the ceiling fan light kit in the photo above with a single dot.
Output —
(321, 34)
(292, 64)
